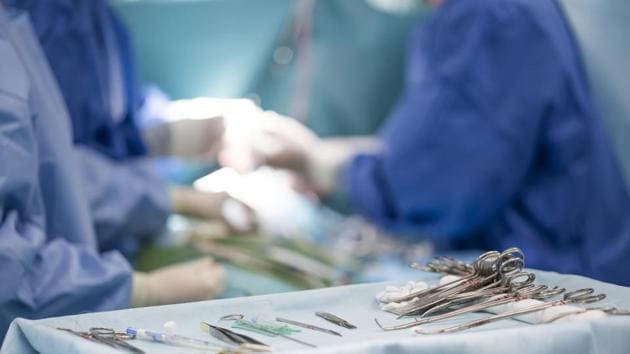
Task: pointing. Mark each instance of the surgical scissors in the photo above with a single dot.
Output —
(581, 296)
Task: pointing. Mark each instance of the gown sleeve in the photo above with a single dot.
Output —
(127, 198)
(42, 272)
(463, 136)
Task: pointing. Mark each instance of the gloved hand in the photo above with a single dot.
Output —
(194, 138)
(195, 127)
(210, 205)
(286, 143)
(197, 280)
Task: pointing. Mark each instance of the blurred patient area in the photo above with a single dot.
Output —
(207, 149)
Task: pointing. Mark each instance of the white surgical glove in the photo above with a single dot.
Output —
(189, 136)
(286, 143)
(196, 137)
(192, 138)
(197, 280)
(328, 156)
(213, 205)
(196, 127)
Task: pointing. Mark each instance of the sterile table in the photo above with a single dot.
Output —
(356, 304)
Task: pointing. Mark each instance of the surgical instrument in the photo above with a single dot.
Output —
(175, 339)
(446, 265)
(265, 330)
(230, 337)
(581, 296)
(485, 268)
(264, 327)
(529, 292)
(308, 326)
(492, 269)
(108, 337)
(290, 338)
(232, 317)
(335, 319)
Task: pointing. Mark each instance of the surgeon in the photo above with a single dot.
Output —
(495, 142)
(89, 52)
(50, 263)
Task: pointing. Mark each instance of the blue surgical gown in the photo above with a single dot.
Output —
(49, 262)
(90, 54)
(496, 142)
(89, 51)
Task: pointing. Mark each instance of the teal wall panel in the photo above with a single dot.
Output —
(203, 47)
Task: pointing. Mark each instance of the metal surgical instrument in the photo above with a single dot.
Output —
(446, 265)
(336, 320)
(528, 292)
(486, 268)
(582, 296)
(208, 327)
(178, 340)
(308, 326)
(482, 266)
(108, 337)
(492, 269)
(289, 338)
(230, 337)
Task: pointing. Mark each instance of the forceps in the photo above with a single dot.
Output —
(483, 265)
(308, 326)
(486, 267)
(515, 284)
(512, 290)
(500, 269)
(485, 271)
(581, 296)
(506, 285)
(497, 296)
(450, 265)
(108, 337)
(528, 292)
(230, 337)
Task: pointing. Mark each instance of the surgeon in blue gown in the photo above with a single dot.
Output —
(90, 54)
(50, 262)
(495, 142)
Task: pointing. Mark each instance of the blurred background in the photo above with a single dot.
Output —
(338, 67)
(230, 148)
